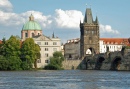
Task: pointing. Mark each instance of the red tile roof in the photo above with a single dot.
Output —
(119, 41)
(0, 42)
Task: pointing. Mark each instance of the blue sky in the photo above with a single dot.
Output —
(63, 16)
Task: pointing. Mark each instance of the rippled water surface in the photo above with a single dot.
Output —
(65, 79)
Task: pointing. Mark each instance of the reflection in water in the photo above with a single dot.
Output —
(64, 79)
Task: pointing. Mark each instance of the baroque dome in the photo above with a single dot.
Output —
(31, 24)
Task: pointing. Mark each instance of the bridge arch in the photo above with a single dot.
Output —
(99, 62)
(115, 65)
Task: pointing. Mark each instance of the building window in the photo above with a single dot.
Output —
(54, 43)
(46, 61)
(39, 43)
(90, 38)
(86, 32)
(54, 49)
(46, 54)
(39, 61)
(32, 34)
(46, 49)
(46, 43)
(92, 32)
(26, 34)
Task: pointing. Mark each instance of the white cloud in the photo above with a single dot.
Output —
(13, 19)
(39, 17)
(61, 19)
(68, 18)
(108, 29)
(9, 19)
(5, 5)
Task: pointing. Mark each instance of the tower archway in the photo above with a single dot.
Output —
(90, 51)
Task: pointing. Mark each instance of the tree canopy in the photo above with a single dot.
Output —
(10, 54)
(55, 61)
(15, 55)
(30, 52)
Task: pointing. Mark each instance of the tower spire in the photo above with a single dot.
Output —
(88, 16)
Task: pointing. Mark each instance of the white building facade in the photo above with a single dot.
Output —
(113, 44)
(48, 47)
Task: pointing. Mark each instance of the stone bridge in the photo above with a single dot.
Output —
(119, 60)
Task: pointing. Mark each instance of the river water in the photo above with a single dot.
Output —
(65, 79)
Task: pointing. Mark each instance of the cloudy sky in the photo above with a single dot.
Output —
(63, 16)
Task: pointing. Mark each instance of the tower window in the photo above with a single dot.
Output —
(90, 38)
(26, 34)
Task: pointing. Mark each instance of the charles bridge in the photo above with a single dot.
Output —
(118, 60)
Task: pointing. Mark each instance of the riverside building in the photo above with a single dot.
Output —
(72, 47)
(48, 45)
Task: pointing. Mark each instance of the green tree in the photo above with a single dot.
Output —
(2, 47)
(29, 51)
(3, 63)
(37, 54)
(12, 47)
(11, 52)
(55, 61)
(14, 63)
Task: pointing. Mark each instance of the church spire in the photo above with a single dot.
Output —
(88, 16)
(31, 18)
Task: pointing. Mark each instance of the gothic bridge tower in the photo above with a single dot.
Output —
(89, 35)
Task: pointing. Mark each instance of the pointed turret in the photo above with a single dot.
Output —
(88, 16)
(53, 36)
(96, 20)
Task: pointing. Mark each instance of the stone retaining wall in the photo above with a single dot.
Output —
(71, 64)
